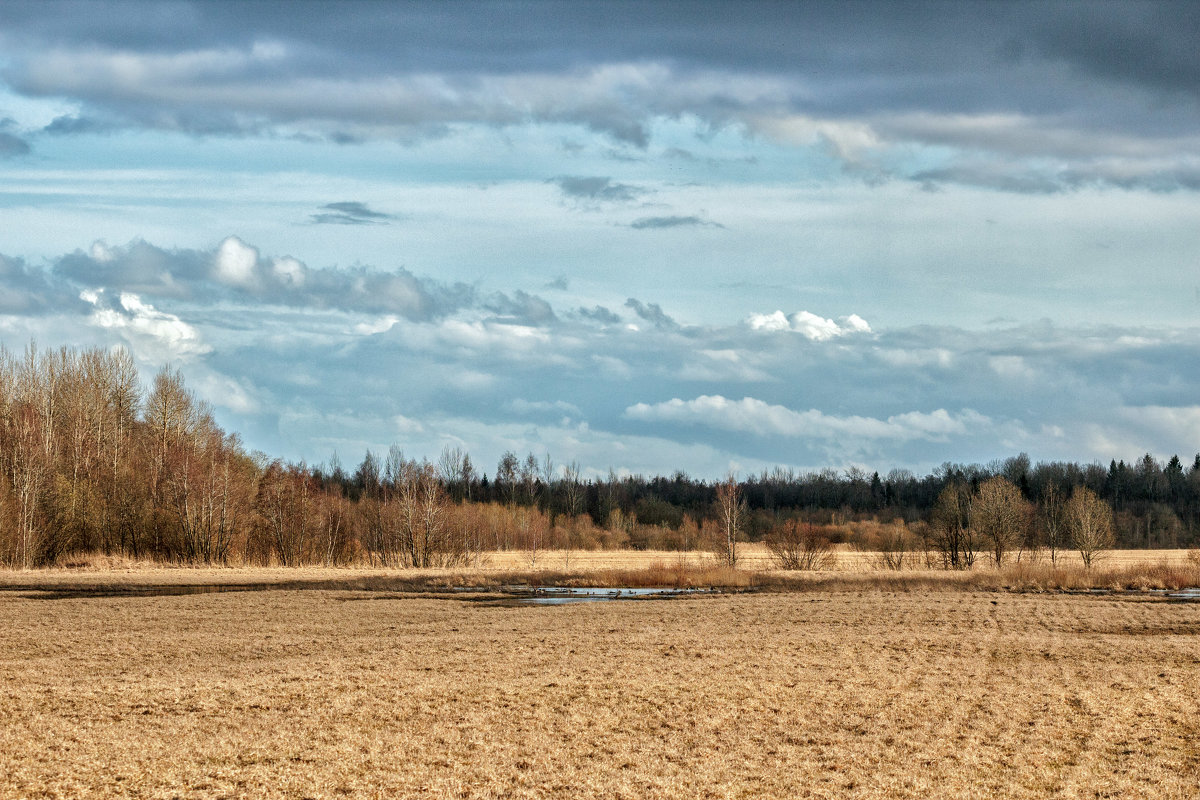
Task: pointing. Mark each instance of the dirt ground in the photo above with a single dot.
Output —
(869, 694)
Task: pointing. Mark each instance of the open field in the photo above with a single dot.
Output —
(868, 694)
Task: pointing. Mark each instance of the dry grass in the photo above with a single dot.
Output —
(867, 694)
(1134, 570)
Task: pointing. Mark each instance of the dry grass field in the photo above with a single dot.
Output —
(853, 693)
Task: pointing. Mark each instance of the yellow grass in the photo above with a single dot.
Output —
(858, 693)
(755, 556)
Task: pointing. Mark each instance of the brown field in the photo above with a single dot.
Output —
(859, 692)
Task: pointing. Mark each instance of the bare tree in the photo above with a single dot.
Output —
(285, 504)
(731, 508)
(1052, 522)
(506, 476)
(547, 479)
(951, 527)
(572, 488)
(999, 515)
(529, 478)
(452, 469)
(1090, 521)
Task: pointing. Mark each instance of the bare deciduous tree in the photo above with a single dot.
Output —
(1051, 521)
(951, 527)
(731, 508)
(573, 488)
(999, 515)
(1090, 521)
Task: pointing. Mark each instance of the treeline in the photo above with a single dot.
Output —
(90, 461)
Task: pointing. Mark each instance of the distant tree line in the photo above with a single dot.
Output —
(90, 461)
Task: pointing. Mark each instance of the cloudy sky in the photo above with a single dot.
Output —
(647, 236)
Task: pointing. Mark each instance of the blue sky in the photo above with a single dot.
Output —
(641, 236)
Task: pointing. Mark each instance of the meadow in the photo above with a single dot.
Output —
(844, 689)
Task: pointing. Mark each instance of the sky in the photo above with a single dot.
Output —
(642, 236)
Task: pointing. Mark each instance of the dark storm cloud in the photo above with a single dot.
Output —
(349, 213)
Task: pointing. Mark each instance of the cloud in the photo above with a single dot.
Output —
(11, 145)
(238, 271)
(598, 314)
(750, 415)
(521, 307)
(162, 335)
(652, 313)
(596, 188)
(809, 325)
(26, 290)
(884, 93)
(349, 213)
(236, 262)
(657, 223)
(389, 342)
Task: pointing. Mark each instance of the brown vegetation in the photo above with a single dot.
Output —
(866, 693)
(800, 545)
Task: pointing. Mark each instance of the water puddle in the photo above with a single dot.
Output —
(381, 589)
(565, 595)
(1185, 594)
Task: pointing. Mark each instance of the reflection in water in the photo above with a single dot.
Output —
(562, 595)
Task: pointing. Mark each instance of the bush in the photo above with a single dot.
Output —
(800, 545)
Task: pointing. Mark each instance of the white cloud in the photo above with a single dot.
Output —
(809, 325)
(751, 415)
(289, 271)
(236, 261)
(100, 251)
(152, 333)
(381, 325)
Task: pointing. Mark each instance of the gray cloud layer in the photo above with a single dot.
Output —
(237, 271)
(1032, 97)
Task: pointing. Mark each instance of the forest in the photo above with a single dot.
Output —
(93, 461)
